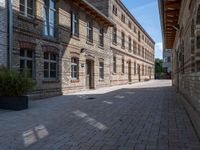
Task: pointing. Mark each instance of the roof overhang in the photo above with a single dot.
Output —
(169, 15)
(93, 12)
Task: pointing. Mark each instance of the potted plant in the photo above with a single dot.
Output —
(13, 87)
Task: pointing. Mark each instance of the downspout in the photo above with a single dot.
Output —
(10, 33)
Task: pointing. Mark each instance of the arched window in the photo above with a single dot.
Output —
(198, 16)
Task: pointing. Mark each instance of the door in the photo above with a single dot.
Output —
(139, 73)
(129, 72)
(89, 74)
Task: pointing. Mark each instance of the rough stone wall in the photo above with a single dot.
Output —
(3, 33)
(28, 33)
(186, 75)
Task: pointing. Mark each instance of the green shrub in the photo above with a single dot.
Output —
(13, 83)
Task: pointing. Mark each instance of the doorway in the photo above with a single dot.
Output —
(89, 74)
(129, 72)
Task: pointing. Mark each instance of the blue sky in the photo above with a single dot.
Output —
(147, 14)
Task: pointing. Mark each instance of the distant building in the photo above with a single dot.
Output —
(180, 20)
(167, 63)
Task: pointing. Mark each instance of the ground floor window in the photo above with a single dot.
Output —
(27, 62)
(101, 70)
(50, 65)
(114, 64)
(123, 68)
(74, 68)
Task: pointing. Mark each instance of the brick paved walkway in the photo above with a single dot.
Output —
(143, 116)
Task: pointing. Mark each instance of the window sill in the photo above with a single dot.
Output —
(51, 81)
(75, 81)
(114, 73)
(76, 37)
(89, 43)
(50, 38)
(27, 19)
(101, 47)
(114, 43)
(123, 47)
(101, 80)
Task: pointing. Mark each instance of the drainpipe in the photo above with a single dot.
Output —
(10, 32)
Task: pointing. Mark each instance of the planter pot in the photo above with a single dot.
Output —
(13, 103)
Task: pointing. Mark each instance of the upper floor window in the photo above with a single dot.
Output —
(198, 16)
(130, 24)
(26, 8)
(74, 68)
(123, 40)
(115, 10)
(101, 70)
(134, 47)
(123, 18)
(50, 65)
(135, 29)
(143, 52)
(129, 44)
(101, 37)
(49, 17)
(139, 36)
(114, 35)
(27, 62)
(139, 50)
(89, 32)
(74, 24)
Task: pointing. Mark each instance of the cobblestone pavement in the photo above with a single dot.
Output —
(143, 116)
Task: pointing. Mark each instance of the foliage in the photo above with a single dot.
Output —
(159, 68)
(13, 83)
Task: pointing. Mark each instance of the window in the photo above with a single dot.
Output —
(198, 16)
(26, 62)
(50, 65)
(134, 47)
(198, 42)
(114, 64)
(114, 35)
(74, 68)
(139, 50)
(115, 10)
(123, 18)
(101, 70)
(74, 24)
(122, 65)
(135, 68)
(26, 8)
(101, 37)
(89, 32)
(142, 52)
(135, 29)
(139, 36)
(129, 44)
(123, 40)
(168, 59)
(130, 24)
(49, 17)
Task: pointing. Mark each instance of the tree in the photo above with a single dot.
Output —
(159, 68)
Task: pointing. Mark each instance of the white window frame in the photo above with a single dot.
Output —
(25, 5)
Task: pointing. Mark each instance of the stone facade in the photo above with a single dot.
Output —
(62, 56)
(3, 33)
(186, 58)
(134, 59)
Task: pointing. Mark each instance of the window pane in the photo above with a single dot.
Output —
(29, 54)
(46, 55)
(22, 64)
(22, 52)
(46, 69)
(53, 56)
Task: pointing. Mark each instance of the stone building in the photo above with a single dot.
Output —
(180, 21)
(132, 48)
(3, 33)
(167, 63)
(65, 46)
